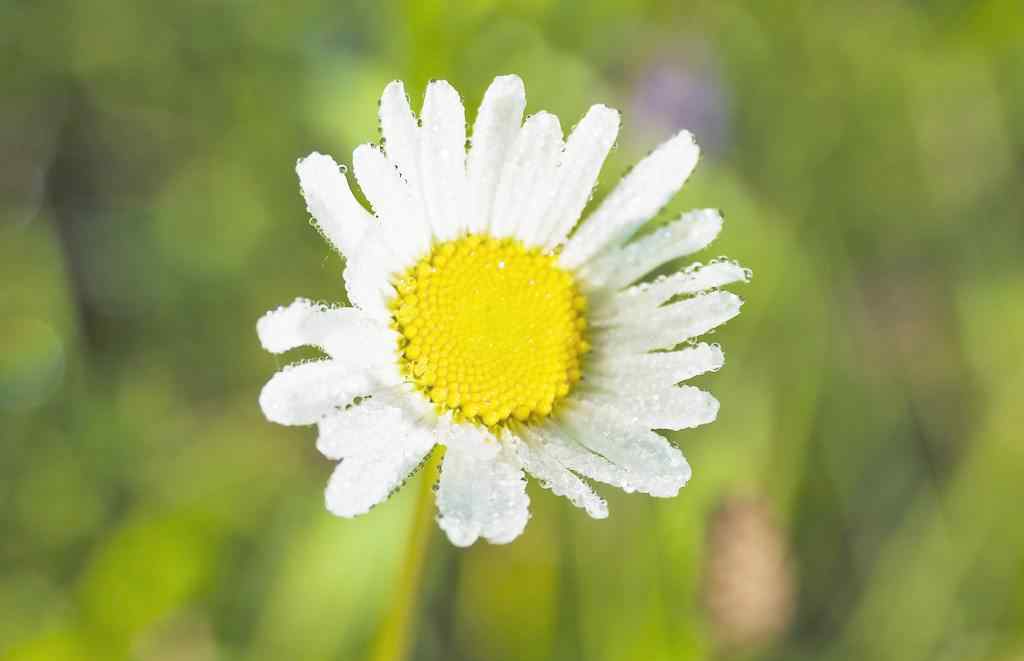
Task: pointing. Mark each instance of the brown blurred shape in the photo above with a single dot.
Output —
(749, 590)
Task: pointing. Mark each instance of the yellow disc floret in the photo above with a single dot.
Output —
(490, 330)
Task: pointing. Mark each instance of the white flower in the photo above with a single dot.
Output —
(478, 323)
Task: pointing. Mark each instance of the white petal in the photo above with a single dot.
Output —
(482, 492)
(640, 372)
(301, 394)
(384, 419)
(405, 229)
(555, 476)
(364, 480)
(693, 231)
(675, 323)
(645, 298)
(674, 408)
(347, 334)
(443, 159)
(637, 198)
(340, 218)
(653, 464)
(368, 274)
(528, 179)
(400, 131)
(558, 443)
(585, 151)
(497, 123)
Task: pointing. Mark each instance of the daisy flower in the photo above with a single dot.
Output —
(485, 321)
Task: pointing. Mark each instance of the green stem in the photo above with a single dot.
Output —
(395, 634)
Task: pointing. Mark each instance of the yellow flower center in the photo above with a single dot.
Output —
(490, 329)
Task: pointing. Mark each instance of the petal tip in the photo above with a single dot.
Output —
(605, 113)
(506, 85)
(442, 87)
(271, 403)
(394, 87)
(457, 534)
(311, 163)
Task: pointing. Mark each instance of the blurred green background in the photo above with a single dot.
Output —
(858, 498)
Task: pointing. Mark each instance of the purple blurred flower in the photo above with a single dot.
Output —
(677, 92)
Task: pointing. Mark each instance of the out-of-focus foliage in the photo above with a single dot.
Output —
(858, 497)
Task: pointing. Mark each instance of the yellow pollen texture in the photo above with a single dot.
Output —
(490, 330)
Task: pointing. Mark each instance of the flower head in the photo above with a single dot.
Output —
(479, 324)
